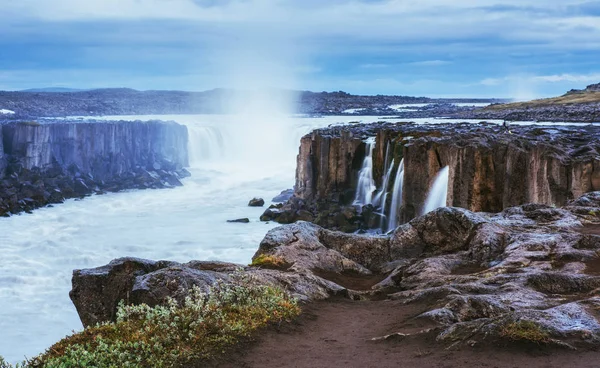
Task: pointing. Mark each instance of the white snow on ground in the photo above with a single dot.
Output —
(408, 107)
(475, 104)
(6, 112)
(352, 111)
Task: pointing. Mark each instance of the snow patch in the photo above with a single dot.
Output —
(408, 107)
(352, 111)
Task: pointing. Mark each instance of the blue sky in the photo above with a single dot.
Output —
(517, 48)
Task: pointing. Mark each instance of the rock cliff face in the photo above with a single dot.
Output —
(470, 277)
(46, 163)
(489, 168)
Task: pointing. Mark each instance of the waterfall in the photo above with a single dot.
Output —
(366, 184)
(205, 143)
(380, 197)
(438, 193)
(396, 198)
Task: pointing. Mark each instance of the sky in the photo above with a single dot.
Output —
(462, 48)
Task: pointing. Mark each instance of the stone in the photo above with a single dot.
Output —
(240, 220)
(256, 202)
(472, 276)
(284, 196)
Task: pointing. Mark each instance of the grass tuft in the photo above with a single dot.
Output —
(525, 331)
(269, 261)
(172, 335)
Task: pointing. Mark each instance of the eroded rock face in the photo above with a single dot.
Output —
(475, 276)
(490, 169)
(42, 164)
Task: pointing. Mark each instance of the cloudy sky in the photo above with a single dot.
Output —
(510, 48)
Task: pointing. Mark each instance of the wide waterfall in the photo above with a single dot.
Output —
(438, 193)
(366, 183)
(396, 204)
(205, 143)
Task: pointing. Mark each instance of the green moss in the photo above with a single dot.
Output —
(175, 335)
(525, 331)
(269, 261)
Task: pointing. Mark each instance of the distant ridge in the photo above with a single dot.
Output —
(53, 89)
(577, 105)
(60, 102)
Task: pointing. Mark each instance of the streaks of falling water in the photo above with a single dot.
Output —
(366, 184)
(438, 193)
(396, 203)
(379, 200)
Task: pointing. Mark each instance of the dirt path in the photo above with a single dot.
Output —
(338, 333)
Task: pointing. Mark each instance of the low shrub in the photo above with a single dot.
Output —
(173, 335)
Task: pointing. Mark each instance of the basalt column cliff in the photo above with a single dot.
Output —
(45, 163)
(489, 169)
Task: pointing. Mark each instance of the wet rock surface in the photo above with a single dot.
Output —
(490, 169)
(527, 273)
(43, 164)
(256, 202)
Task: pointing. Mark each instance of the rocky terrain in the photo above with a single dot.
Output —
(575, 105)
(490, 169)
(527, 274)
(123, 101)
(43, 164)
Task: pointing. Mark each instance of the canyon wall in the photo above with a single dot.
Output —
(47, 163)
(490, 168)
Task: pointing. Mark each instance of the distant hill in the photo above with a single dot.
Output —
(53, 89)
(579, 105)
(125, 101)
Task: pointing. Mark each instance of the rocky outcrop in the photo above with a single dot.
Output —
(47, 163)
(528, 273)
(489, 168)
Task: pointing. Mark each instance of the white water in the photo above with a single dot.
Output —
(40, 250)
(438, 193)
(396, 204)
(378, 199)
(6, 112)
(366, 183)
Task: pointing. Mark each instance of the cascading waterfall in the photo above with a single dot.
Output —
(392, 216)
(379, 199)
(383, 194)
(438, 193)
(366, 184)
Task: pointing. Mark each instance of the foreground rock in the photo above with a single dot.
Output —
(489, 169)
(43, 164)
(531, 272)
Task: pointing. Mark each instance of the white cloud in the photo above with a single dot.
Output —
(430, 63)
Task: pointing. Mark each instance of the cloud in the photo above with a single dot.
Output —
(431, 63)
(467, 42)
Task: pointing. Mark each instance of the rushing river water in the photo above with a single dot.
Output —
(231, 159)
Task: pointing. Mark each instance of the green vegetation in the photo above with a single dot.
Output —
(525, 331)
(174, 335)
(269, 261)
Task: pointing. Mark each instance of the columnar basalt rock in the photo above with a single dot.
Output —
(47, 163)
(489, 168)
